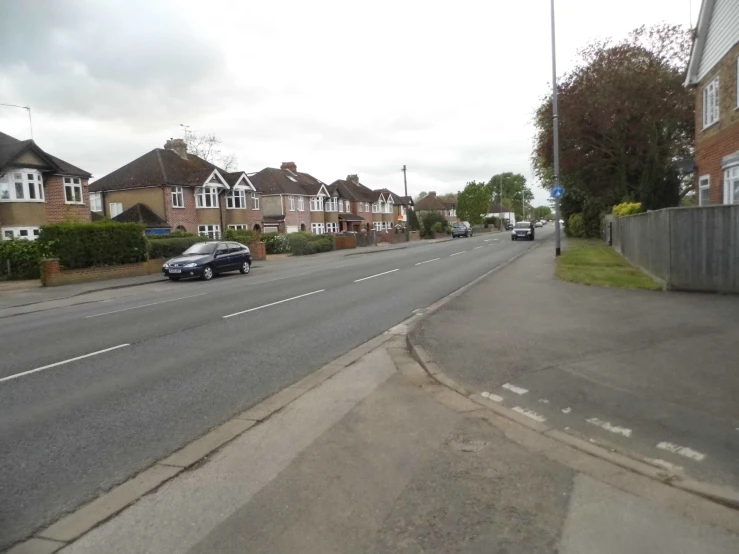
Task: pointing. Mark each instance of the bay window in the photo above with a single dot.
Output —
(27, 233)
(316, 204)
(206, 197)
(332, 227)
(73, 190)
(236, 199)
(210, 231)
(23, 185)
(316, 228)
(332, 204)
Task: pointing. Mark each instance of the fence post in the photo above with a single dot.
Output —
(610, 233)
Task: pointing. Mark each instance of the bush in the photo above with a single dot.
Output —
(244, 236)
(79, 245)
(303, 244)
(627, 208)
(173, 235)
(171, 247)
(436, 227)
(275, 243)
(427, 223)
(21, 259)
(575, 226)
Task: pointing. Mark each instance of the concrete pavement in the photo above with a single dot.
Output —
(379, 458)
(650, 374)
(94, 392)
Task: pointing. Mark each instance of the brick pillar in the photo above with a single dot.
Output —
(49, 269)
(258, 251)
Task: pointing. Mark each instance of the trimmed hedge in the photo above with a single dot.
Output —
(275, 243)
(105, 243)
(171, 247)
(243, 236)
(304, 244)
(627, 208)
(20, 259)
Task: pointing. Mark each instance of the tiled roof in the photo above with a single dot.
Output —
(141, 213)
(430, 203)
(271, 180)
(156, 168)
(11, 147)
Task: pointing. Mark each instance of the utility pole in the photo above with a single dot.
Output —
(555, 135)
(30, 123)
(407, 214)
(500, 202)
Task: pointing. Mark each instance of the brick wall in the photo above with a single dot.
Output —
(296, 218)
(52, 275)
(57, 209)
(186, 217)
(721, 138)
(258, 251)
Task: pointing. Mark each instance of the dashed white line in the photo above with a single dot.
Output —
(146, 305)
(529, 413)
(682, 450)
(478, 247)
(487, 240)
(609, 427)
(428, 261)
(273, 303)
(457, 253)
(514, 388)
(544, 401)
(566, 410)
(493, 397)
(62, 362)
(376, 275)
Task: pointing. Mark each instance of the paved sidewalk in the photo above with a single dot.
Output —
(380, 459)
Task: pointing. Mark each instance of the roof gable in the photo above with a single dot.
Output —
(429, 203)
(716, 33)
(14, 151)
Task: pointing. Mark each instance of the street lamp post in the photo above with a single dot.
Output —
(555, 136)
(407, 216)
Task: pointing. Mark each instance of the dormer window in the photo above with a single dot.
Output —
(22, 185)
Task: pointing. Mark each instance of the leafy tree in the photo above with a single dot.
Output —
(473, 202)
(448, 197)
(625, 121)
(542, 212)
(413, 220)
(421, 195)
(206, 146)
(429, 219)
(513, 187)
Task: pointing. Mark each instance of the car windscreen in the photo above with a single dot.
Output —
(200, 248)
(523, 225)
(459, 225)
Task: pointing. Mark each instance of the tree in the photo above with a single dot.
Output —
(421, 195)
(542, 212)
(473, 202)
(206, 146)
(513, 186)
(448, 197)
(429, 219)
(625, 122)
(413, 220)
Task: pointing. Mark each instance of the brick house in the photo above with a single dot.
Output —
(432, 203)
(712, 71)
(183, 190)
(37, 188)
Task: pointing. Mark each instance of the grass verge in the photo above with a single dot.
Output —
(592, 262)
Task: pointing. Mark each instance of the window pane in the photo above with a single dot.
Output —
(4, 191)
(41, 191)
(32, 191)
(17, 176)
(19, 190)
(68, 193)
(77, 194)
(67, 180)
(8, 234)
(36, 232)
(30, 176)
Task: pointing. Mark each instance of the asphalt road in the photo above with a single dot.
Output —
(91, 394)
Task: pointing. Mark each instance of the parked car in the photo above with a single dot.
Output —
(508, 226)
(207, 259)
(523, 230)
(461, 229)
(538, 224)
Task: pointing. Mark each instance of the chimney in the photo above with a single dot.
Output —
(290, 166)
(353, 179)
(178, 146)
(432, 193)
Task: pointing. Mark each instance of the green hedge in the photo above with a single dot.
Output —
(304, 244)
(575, 226)
(20, 259)
(105, 243)
(626, 208)
(275, 243)
(243, 236)
(171, 247)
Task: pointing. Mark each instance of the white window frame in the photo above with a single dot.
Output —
(32, 233)
(332, 204)
(731, 185)
(236, 199)
(316, 203)
(301, 204)
(239, 227)
(389, 206)
(332, 227)
(31, 185)
(291, 203)
(254, 201)
(360, 207)
(711, 103)
(704, 184)
(73, 185)
(375, 207)
(211, 231)
(96, 201)
(317, 228)
(202, 194)
(178, 197)
(116, 207)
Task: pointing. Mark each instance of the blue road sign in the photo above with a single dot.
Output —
(557, 191)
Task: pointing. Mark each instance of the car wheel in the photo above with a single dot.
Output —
(174, 278)
(245, 268)
(207, 273)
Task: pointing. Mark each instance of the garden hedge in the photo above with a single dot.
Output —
(171, 247)
(20, 259)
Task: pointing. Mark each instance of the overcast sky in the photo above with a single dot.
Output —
(339, 87)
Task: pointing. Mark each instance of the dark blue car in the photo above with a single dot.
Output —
(207, 259)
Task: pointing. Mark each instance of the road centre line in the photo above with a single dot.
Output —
(377, 275)
(487, 240)
(460, 252)
(273, 303)
(476, 247)
(428, 261)
(146, 305)
(514, 388)
(62, 362)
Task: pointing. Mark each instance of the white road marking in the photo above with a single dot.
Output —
(493, 397)
(456, 253)
(682, 450)
(477, 247)
(428, 261)
(528, 413)
(146, 305)
(487, 240)
(665, 464)
(544, 401)
(273, 303)
(609, 427)
(566, 410)
(62, 363)
(377, 275)
(514, 388)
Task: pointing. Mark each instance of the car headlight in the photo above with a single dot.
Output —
(191, 264)
(165, 266)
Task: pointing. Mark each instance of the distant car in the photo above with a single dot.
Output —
(538, 224)
(461, 229)
(523, 230)
(207, 259)
(508, 226)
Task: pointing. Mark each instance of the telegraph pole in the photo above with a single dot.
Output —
(555, 135)
(407, 214)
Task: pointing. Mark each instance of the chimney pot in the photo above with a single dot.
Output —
(178, 146)
(354, 178)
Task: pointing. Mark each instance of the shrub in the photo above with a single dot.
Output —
(275, 243)
(627, 208)
(79, 245)
(244, 236)
(436, 227)
(427, 223)
(171, 247)
(21, 259)
(303, 244)
(575, 227)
